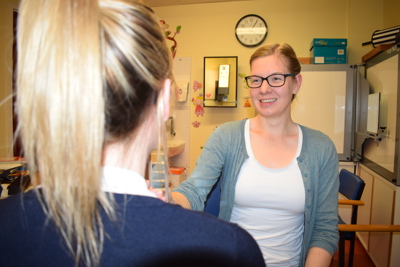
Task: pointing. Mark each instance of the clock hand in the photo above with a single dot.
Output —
(255, 23)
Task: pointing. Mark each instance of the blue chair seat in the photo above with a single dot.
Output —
(352, 187)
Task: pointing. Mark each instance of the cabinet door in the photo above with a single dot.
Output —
(364, 212)
(381, 213)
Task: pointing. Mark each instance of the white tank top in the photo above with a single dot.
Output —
(269, 204)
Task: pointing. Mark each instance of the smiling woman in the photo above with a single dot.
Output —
(279, 180)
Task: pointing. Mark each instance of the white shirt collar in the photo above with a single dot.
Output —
(124, 181)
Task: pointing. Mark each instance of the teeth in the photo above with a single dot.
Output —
(267, 100)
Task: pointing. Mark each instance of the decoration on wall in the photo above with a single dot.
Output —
(168, 33)
(198, 102)
(197, 86)
(196, 124)
(243, 75)
(247, 102)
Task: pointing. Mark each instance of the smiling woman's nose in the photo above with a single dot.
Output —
(265, 88)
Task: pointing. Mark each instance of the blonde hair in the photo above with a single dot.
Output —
(286, 51)
(88, 71)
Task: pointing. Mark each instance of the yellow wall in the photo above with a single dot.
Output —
(391, 16)
(208, 30)
(6, 35)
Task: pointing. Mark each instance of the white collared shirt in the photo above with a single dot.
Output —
(124, 181)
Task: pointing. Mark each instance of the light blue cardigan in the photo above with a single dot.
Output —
(224, 154)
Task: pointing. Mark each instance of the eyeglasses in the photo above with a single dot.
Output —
(274, 80)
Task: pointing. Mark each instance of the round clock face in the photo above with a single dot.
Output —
(251, 30)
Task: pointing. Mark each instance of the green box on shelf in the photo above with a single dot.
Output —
(329, 51)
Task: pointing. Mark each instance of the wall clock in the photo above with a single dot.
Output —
(251, 30)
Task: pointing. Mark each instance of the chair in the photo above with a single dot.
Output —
(351, 187)
(211, 206)
(367, 228)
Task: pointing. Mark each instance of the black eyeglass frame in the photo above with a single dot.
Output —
(266, 79)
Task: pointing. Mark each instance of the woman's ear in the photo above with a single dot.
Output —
(165, 91)
(297, 85)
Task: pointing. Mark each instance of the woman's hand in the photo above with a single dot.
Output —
(160, 194)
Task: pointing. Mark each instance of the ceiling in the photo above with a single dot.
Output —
(157, 3)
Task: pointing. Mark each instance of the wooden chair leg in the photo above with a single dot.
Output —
(341, 249)
(351, 254)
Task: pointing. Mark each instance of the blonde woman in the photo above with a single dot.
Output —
(93, 94)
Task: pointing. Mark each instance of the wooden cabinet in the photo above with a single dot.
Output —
(364, 212)
(379, 197)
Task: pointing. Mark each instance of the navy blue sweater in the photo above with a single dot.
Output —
(148, 232)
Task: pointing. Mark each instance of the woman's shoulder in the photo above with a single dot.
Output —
(149, 212)
(208, 240)
(313, 134)
(317, 144)
(233, 124)
(231, 132)
(213, 230)
(230, 127)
